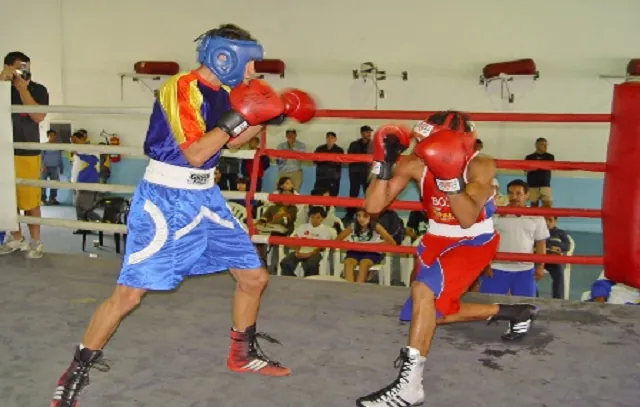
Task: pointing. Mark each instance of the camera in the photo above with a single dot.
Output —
(24, 71)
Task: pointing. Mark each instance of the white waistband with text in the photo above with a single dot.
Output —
(173, 176)
(480, 228)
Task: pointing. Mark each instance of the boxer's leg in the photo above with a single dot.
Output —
(228, 247)
(435, 295)
(149, 264)
(250, 284)
(108, 315)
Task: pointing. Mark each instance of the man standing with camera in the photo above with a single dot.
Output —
(17, 69)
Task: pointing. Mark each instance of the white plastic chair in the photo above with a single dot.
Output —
(240, 213)
(567, 269)
(383, 268)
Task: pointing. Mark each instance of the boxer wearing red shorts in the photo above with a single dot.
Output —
(457, 197)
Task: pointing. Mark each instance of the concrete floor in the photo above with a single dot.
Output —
(339, 339)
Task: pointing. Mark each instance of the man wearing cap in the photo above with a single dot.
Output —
(291, 168)
(359, 172)
(328, 173)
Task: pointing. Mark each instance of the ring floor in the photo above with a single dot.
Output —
(339, 339)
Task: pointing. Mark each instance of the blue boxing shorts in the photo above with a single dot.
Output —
(179, 225)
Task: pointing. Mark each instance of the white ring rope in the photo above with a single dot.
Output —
(109, 149)
(73, 224)
(122, 189)
(99, 226)
(81, 186)
(94, 110)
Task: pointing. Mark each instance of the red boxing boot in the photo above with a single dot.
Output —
(245, 355)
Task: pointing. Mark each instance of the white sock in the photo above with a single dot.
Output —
(81, 346)
(415, 353)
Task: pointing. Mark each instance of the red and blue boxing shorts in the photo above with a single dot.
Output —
(448, 266)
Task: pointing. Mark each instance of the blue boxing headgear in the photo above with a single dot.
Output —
(227, 58)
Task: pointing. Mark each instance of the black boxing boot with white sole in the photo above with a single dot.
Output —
(520, 318)
(407, 390)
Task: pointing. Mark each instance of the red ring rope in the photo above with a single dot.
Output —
(478, 117)
(504, 164)
(417, 206)
(387, 248)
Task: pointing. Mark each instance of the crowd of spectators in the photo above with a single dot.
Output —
(523, 234)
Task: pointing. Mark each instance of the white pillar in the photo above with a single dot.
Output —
(8, 199)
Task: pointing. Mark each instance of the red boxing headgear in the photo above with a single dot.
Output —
(448, 120)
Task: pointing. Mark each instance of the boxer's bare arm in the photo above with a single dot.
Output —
(381, 193)
(211, 142)
(244, 138)
(466, 206)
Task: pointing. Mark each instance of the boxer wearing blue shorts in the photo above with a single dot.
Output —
(179, 224)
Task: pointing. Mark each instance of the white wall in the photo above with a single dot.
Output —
(78, 48)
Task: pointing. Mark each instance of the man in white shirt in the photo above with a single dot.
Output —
(518, 234)
(310, 257)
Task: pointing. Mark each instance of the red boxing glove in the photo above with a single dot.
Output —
(298, 105)
(445, 156)
(251, 105)
(389, 141)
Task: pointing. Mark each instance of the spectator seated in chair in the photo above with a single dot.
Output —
(363, 230)
(310, 257)
(331, 219)
(278, 219)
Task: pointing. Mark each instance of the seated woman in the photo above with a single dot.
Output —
(363, 230)
(285, 186)
(278, 219)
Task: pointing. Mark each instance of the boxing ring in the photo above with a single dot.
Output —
(339, 339)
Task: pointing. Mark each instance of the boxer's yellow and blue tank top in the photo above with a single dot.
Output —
(179, 224)
(187, 107)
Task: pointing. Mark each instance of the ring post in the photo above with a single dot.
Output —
(8, 203)
(621, 195)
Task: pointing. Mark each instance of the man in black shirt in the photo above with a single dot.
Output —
(328, 172)
(540, 180)
(17, 69)
(359, 172)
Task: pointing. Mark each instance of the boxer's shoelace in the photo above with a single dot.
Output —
(77, 378)
(387, 394)
(256, 351)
